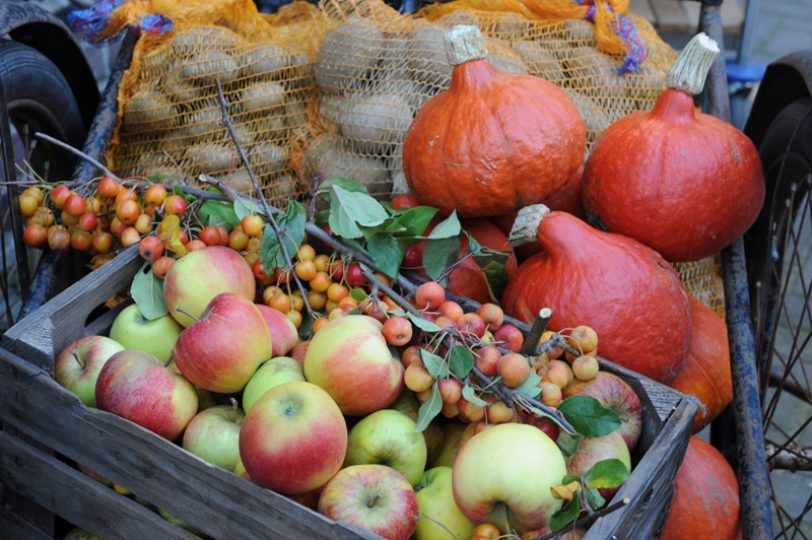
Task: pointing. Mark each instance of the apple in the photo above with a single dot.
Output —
(293, 440)
(197, 277)
(299, 351)
(137, 386)
(615, 394)
(284, 335)
(214, 436)
(388, 437)
(272, 373)
(373, 497)
(503, 475)
(433, 434)
(452, 435)
(78, 365)
(348, 357)
(439, 516)
(591, 450)
(156, 336)
(222, 350)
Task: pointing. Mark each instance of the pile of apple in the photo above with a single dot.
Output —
(328, 421)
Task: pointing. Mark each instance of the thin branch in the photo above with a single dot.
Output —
(76, 152)
(538, 328)
(266, 208)
(390, 292)
(793, 458)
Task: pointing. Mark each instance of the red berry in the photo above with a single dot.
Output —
(75, 205)
(108, 187)
(88, 221)
(355, 275)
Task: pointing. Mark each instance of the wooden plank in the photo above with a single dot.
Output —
(670, 15)
(13, 527)
(78, 498)
(211, 499)
(41, 335)
(642, 8)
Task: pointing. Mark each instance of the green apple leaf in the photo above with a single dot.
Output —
(410, 222)
(469, 395)
(608, 473)
(148, 293)
(430, 408)
(461, 361)
(345, 183)
(351, 209)
(566, 515)
(588, 416)
(386, 253)
(359, 294)
(448, 228)
(434, 364)
(439, 254)
(530, 387)
(567, 443)
(421, 323)
(245, 207)
(292, 229)
(594, 498)
(218, 213)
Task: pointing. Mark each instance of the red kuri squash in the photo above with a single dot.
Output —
(706, 497)
(624, 290)
(493, 142)
(684, 183)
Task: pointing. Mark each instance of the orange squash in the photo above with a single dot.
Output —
(493, 142)
(705, 505)
(684, 183)
(706, 373)
(624, 290)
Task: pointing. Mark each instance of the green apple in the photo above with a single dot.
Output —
(272, 373)
(156, 336)
(388, 437)
(214, 435)
(78, 366)
(433, 434)
(440, 519)
(451, 445)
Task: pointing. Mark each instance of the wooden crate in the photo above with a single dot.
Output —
(46, 430)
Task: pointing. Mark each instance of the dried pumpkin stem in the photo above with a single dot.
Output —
(538, 328)
(526, 225)
(266, 208)
(464, 43)
(693, 64)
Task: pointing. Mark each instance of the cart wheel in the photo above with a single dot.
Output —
(780, 259)
(38, 98)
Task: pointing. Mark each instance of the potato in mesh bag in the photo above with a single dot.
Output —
(349, 56)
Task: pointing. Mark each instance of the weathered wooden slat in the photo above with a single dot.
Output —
(75, 496)
(215, 501)
(12, 527)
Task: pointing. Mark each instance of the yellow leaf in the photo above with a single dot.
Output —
(168, 231)
(566, 491)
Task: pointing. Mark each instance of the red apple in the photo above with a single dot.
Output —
(299, 352)
(197, 277)
(284, 335)
(214, 436)
(591, 450)
(225, 346)
(374, 497)
(349, 358)
(78, 365)
(509, 337)
(615, 394)
(135, 385)
(293, 439)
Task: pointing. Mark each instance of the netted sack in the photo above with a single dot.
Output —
(170, 118)
(703, 280)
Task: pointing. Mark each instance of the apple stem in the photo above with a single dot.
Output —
(234, 404)
(78, 360)
(184, 312)
(538, 328)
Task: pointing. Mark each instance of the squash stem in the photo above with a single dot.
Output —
(693, 64)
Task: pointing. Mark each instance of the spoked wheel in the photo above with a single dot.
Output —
(37, 98)
(780, 261)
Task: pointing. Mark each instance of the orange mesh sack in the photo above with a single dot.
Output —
(170, 120)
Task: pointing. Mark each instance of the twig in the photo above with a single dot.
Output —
(390, 292)
(266, 208)
(588, 519)
(538, 328)
(76, 152)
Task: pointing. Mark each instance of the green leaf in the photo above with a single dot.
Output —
(473, 245)
(566, 515)
(218, 213)
(608, 473)
(570, 478)
(430, 408)
(411, 222)
(595, 499)
(567, 443)
(148, 293)
(461, 361)
(292, 230)
(359, 294)
(588, 416)
(386, 253)
(345, 183)
(434, 364)
(469, 394)
(421, 323)
(244, 207)
(448, 228)
(496, 277)
(359, 207)
(439, 255)
(530, 387)
(341, 223)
